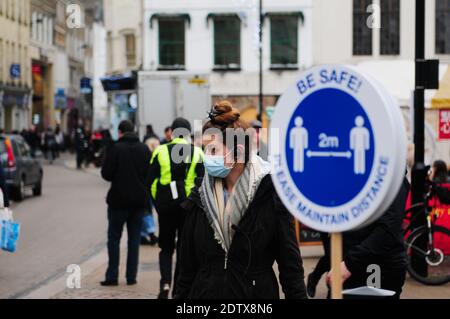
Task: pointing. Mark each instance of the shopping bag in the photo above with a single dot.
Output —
(9, 230)
(9, 235)
(148, 224)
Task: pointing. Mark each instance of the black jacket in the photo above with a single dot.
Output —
(126, 166)
(380, 243)
(265, 234)
(4, 187)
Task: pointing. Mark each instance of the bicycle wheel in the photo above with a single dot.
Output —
(437, 258)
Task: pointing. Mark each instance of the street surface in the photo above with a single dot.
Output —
(64, 226)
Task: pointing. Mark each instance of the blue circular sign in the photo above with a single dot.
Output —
(337, 149)
(330, 147)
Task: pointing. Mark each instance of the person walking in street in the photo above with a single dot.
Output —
(381, 244)
(50, 145)
(59, 136)
(438, 172)
(148, 236)
(236, 225)
(126, 166)
(81, 145)
(150, 134)
(175, 168)
(33, 140)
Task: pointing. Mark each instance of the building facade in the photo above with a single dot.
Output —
(123, 24)
(62, 63)
(15, 66)
(42, 54)
(379, 37)
(222, 38)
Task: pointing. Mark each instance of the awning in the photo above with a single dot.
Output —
(441, 99)
(14, 96)
(170, 16)
(121, 82)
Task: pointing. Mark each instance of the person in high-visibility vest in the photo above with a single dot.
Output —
(175, 169)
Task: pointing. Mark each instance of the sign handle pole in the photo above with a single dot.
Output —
(336, 259)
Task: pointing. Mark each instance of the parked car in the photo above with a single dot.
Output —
(21, 169)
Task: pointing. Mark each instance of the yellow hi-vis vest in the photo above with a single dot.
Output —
(161, 154)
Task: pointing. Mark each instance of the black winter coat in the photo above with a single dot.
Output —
(380, 243)
(127, 166)
(265, 234)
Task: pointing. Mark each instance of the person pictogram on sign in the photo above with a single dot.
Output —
(359, 143)
(299, 143)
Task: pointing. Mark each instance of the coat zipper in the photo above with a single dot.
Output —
(226, 261)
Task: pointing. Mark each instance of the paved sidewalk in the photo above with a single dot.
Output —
(147, 287)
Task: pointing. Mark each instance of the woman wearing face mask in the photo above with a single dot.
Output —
(236, 226)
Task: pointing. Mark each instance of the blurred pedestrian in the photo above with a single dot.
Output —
(174, 169)
(50, 145)
(263, 150)
(150, 134)
(59, 136)
(167, 135)
(381, 244)
(4, 187)
(236, 226)
(438, 172)
(126, 166)
(81, 145)
(148, 231)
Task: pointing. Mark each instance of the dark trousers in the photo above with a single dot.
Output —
(323, 265)
(117, 218)
(80, 158)
(171, 220)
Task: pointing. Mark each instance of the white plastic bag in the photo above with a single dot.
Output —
(9, 230)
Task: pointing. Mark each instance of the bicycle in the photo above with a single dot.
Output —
(436, 254)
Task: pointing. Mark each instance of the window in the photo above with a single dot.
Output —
(362, 34)
(227, 42)
(390, 27)
(130, 49)
(171, 44)
(50, 31)
(284, 40)
(34, 26)
(45, 30)
(109, 48)
(443, 26)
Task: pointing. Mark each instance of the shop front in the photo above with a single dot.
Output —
(122, 98)
(14, 108)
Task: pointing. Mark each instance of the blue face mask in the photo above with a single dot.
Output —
(215, 166)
